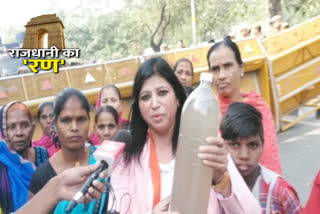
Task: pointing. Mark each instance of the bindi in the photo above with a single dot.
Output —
(74, 99)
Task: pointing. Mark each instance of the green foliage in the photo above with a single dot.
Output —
(128, 31)
(296, 11)
(219, 16)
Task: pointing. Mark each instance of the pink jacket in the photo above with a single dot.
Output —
(132, 192)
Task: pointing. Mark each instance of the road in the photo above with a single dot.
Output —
(299, 150)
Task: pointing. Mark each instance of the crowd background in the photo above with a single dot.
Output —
(134, 26)
(273, 25)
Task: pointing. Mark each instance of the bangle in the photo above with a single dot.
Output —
(223, 183)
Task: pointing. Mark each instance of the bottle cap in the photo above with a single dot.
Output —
(205, 76)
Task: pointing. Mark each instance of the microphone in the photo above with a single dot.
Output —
(86, 186)
(107, 153)
(123, 136)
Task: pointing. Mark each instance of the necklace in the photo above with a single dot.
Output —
(76, 163)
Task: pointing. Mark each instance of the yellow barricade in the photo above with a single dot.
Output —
(256, 71)
(90, 78)
(12, 89)
(292, 37)
(284, 69)
(294, 59)
(87, 77)
(45, 85)
(256, 76)
(198, 56)
(121, 71)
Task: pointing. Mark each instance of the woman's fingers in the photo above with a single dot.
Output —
(103, 174)
(214, 152)
(215, 165)
(85, 171)
(87, 198)
(93, 193)
(163, 205)
(96, 190)
(215, 141)
(212, 149)
(213, 157)
(99, 186)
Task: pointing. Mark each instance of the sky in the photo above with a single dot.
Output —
(16, 13)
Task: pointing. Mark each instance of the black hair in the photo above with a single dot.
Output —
(241, 120)
(212, 41)
(108, 109)
(41, 107)
(228, 43)
(139, 128)
(113, 87)
(188, 90)
(64, 96)
(183, 60)
(258, 27)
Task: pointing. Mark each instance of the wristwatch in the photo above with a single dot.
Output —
(223, 183)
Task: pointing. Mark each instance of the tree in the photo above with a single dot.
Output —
(296, 11)
(164, 20)
(144, 23)
(217, 18)
(154, 17)
(274, 7)
(160, 29)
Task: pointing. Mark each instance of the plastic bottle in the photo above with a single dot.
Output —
(200, 119)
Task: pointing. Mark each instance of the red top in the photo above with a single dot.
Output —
(313, 205)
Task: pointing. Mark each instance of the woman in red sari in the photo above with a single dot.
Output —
(224, 61)
(313, 205)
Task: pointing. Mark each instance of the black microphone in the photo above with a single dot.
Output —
(86, 185)
(123, 136)
(107, 152)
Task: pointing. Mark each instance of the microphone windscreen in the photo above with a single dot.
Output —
(109, 151)
(123, 136)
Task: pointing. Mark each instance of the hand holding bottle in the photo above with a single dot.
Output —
(215, 155)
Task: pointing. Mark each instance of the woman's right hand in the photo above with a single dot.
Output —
(71, 180)
(163, 206)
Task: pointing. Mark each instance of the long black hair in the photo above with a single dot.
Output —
(139, 127)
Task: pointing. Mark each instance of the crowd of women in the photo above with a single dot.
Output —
(245, 161)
